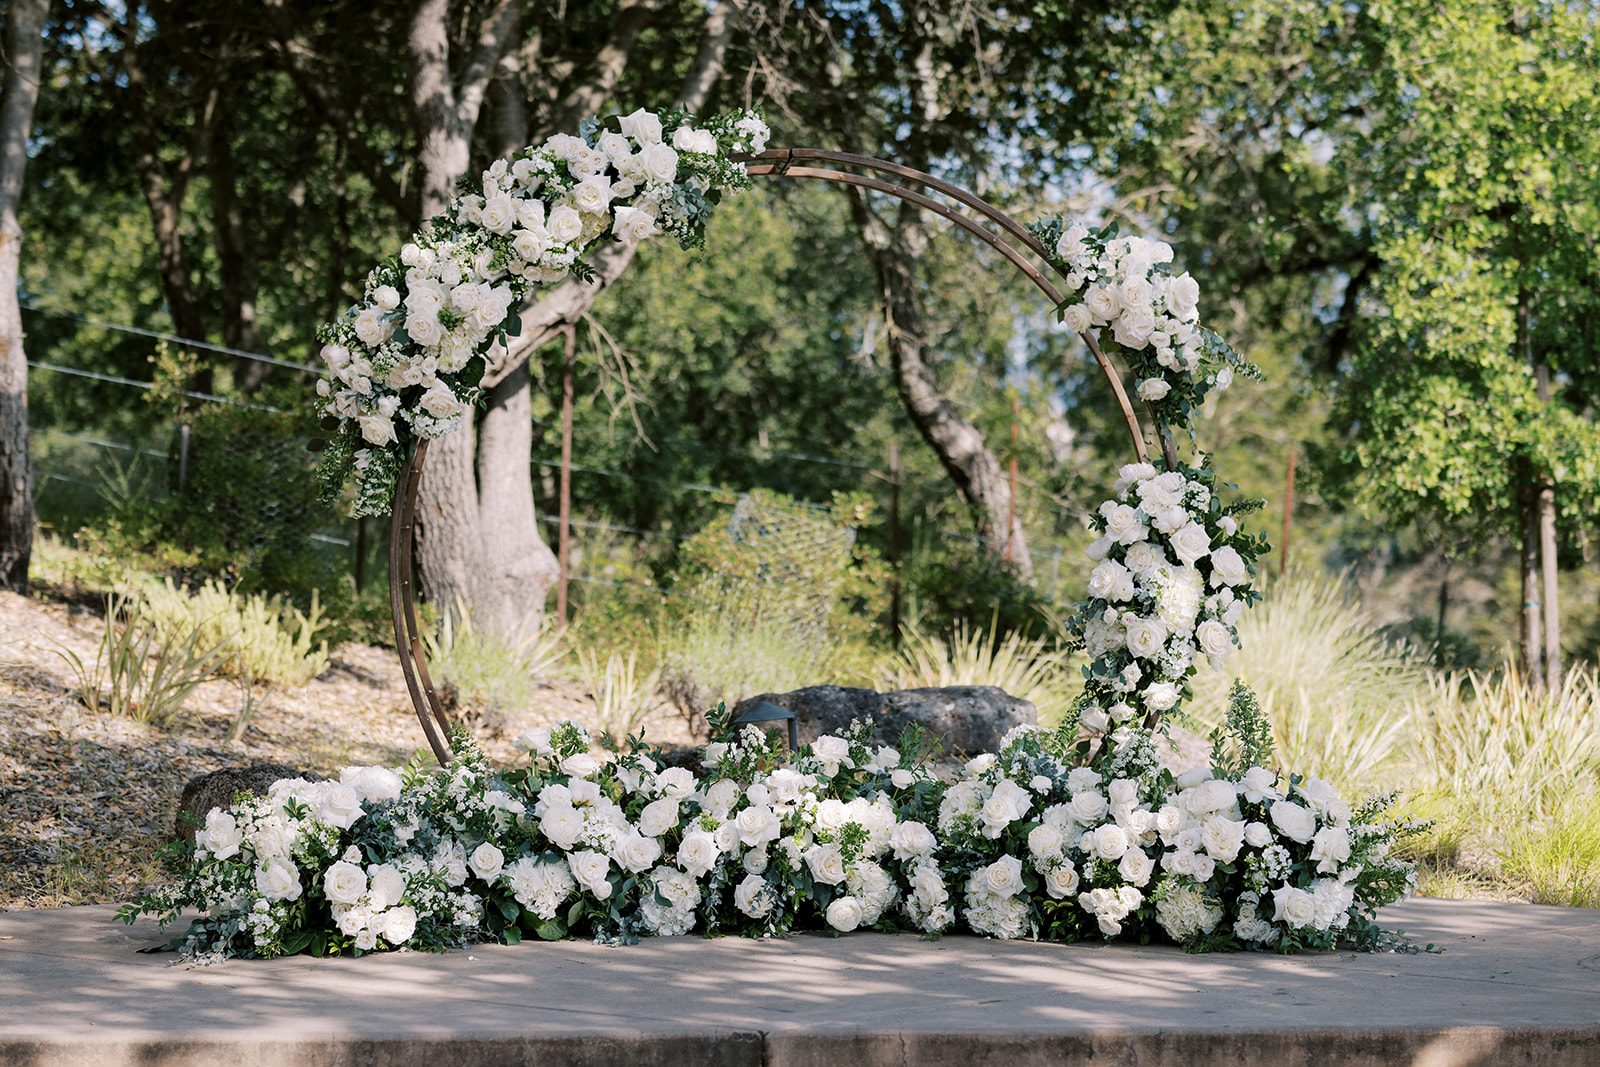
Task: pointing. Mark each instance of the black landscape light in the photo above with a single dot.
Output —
(766, 711)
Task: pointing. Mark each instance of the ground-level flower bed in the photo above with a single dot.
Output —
(1055, 837)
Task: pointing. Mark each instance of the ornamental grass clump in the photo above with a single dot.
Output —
(140, 670)
(1036, 669)
(1338, 695)
(490, 671)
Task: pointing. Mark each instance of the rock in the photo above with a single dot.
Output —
(218, 789)
(967, 719)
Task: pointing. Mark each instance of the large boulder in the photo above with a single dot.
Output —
(219, 788)
(967, 719)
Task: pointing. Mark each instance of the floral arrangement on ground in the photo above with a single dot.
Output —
(1030, 841)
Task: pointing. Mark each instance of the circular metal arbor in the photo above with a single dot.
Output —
(1012, 241)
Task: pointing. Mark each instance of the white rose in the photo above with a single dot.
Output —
(377, 429)
(1003, 877)
(911, 839)
(658, 817)
(660, 162)
(1214, 638)
(1258, 835)
(590, 869)
(1183, 294)
(1078, 319)
(399, 924)
(373, 327)
(902, 778)
(386, 297)
(424, 328)
(1222, 838)
(845, 914)
(499, 213)
(341, 806)
(561, 823)
(637, 853)
(1217, 794)
(1133, 327)
(758, 825)
(1136, 292)
(1153, 389)
(749, 898)
(832, 814)
(344, 883)
(565, 225)
(222, 836)
(826, 863)
(698, 853)
(1087, 807)
(1102, 304)
(1319, 792)
(592, 195)
(279, 879)
(1136, 866)
(1094, 719)
(386, 883)
(1146, 637)
(1123, 523)
(831, 750)
(997, 813)
(486, 861)
(1190, 543)
(1110, 842)
(1159, 696)
(1045, 841)
(1295, 822)
(1107, 580)
(632, 225)
(1330, 847)
(643, 126)
(1061, 881)
(1227, 567)
(1293, 906)
(580, 765)
(1257, 783)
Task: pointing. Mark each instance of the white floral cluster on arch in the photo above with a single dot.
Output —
(408, 358)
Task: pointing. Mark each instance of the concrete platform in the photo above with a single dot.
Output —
(1517, 984)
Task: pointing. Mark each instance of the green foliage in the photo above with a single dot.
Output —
(1245, 740)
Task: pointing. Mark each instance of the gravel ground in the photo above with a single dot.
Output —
(87, 798)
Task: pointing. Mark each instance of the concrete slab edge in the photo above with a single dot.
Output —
(1423, 1047)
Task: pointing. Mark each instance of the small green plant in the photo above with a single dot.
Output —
(1245, 740)
(139, 672)
(622, 696)
(491, 671)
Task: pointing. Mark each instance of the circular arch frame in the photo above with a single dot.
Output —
(776, 163)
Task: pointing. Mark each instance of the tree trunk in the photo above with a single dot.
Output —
(512, 568)
(24, 46)
(449, 544)
(236, 266)
(164, 189)
(1546, 489)
(1532, 644)
(959, 445)
(518, 567)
